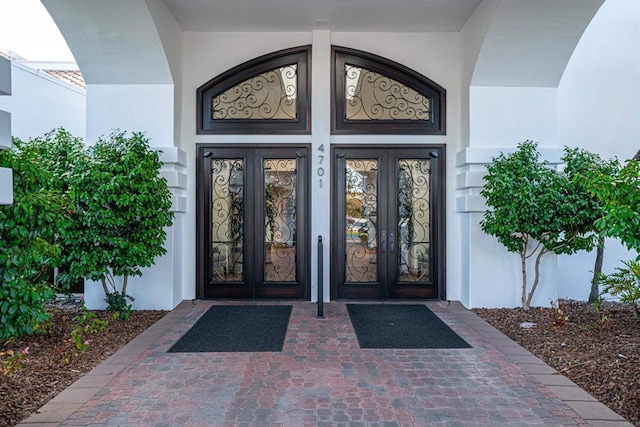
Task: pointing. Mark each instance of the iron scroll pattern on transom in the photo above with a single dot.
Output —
(361, 221)
(227, 220)
(414, 220)
(271, 95)
(280, 220)
(373, 96)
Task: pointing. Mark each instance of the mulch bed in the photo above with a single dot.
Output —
(53, 362)
(599, 351)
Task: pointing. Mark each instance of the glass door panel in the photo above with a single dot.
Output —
(361, 201)
(414, 221)
(227, 220)
(280, 220)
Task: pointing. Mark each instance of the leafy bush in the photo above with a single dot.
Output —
(58, 152)
(581, 163)
(117, 304)
(122, 207)
(87, 323)
(619, 195)
(27, 240)
(95, 213)
(624, 283)
(534, 209)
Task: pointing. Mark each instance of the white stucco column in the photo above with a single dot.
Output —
(321, 157)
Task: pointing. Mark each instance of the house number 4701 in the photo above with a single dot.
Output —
(320, 170)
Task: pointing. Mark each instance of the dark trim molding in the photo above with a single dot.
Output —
(301, 125)
(416, 81)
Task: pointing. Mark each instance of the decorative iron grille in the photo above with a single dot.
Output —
(280, 220)
(271, 95)
(414, 189)
(373, 96)
(227, 204)
(361, 231)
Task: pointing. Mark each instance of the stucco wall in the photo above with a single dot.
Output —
(40, 103)
(599, 110)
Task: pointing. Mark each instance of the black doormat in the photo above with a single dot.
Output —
(401, 326)
(243, 328)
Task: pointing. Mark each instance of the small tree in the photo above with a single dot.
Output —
(27, 240)
(534, 210)
(123, 206)
(619, 195)
(580, 162)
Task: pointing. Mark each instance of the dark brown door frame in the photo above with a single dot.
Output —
(253, 287)
(437, 153)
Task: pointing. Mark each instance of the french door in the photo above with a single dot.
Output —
(253, 232)
(388, 222)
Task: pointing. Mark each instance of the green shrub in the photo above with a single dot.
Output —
(122, 208)
(624, 283)
(27, 241)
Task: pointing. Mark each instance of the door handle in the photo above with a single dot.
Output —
(383, 242)
(392, 242)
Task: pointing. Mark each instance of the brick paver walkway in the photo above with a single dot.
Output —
(323, 378)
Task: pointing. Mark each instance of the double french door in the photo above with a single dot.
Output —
(388, 223)
(253, 222)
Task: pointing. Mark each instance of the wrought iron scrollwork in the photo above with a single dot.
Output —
(414, 224)
(227, 235)
(267, 96)
(280, 220)
(361, 221)
(373, 96)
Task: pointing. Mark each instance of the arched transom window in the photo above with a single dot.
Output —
(374, 95)
(370, 94)
(266, 95)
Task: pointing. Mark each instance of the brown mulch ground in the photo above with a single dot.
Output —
(53, 362)
(601, 356)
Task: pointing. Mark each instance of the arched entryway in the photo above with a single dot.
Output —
(387, 208)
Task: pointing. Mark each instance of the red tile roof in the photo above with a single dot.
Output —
(73, 77)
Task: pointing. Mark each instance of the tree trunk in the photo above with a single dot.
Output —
(597, 270)
(104, 286)
(536, 276)
(523, 260)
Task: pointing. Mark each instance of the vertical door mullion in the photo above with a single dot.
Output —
(391, 263)
(252, 219)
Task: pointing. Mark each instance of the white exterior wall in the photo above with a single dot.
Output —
(501, 73)
(599, 110)
(41, 103)
(207, 55)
